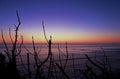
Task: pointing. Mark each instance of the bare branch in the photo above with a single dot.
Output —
(33, 44)
(66, 56)
(44, 31)
(95, 64)
(20, 47)
(19, 22)
(10, 35)
(16, 34)
(62, 70)
(6, 47)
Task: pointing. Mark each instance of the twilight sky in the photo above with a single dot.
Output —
(75, 21)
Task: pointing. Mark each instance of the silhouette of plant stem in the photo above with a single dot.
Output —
(44, 31)
(66, 56)
(49, 53)
(13, 51)
(38, 73)
(6, 47)
(28, 64)
(15, 40)
(74, 72)
(59, 51)
(20, 46)
(94, 63)
(104, 70)
(10, 35)
(22, 63)
(35, 53)
(62, 70)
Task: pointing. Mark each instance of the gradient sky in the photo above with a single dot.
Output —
(75, 21)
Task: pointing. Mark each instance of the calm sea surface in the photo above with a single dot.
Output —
(112, 51)
(79, 51)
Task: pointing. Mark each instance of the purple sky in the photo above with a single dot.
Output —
(72, 20)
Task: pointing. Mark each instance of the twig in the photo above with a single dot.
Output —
(95, 63)
(6, 47)
(66, 56)
(62, 70)
(20, 47)
(28, 64)
(59, 55)
(10, 35)
(74, 72)
(44, 31)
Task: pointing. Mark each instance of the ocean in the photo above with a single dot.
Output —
(73, 52)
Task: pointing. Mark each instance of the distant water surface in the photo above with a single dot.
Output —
(79, 51)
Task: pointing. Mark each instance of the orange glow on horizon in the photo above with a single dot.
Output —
(74, 40)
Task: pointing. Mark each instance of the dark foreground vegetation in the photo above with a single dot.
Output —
(49, 68)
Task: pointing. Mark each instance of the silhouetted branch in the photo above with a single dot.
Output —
(62, 70)
(19, 22)
(16, 35)
(66, 56)
(10, 35)
(94, 63)
(59, 55)
(20, 47)
(44, 31)
(27, 49)
(6, 47)
(74, 72)
(14, 51)
(103, 69)
(35, 53)
(28, 65)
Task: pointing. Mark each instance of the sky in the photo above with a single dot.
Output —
(74, 21)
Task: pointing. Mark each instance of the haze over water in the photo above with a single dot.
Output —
(79, 51)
